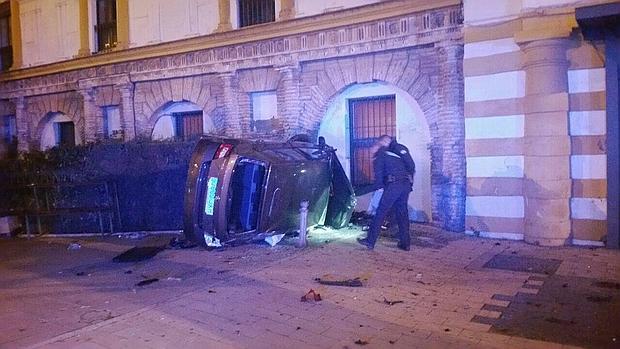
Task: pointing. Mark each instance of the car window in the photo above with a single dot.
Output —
(314, 153)
(285, 154)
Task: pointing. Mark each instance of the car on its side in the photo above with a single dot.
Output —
(238, 190)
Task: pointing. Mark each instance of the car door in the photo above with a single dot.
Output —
(276, 200)
(342, 197)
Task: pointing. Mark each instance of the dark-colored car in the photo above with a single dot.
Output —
(240, 189)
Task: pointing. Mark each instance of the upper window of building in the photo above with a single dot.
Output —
(6, 51)
(106, 24)
(253, 12)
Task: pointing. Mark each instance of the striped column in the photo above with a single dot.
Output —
(588, 205)
(494, 131)
(547, 184)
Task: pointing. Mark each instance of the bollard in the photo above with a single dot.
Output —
(303, 224)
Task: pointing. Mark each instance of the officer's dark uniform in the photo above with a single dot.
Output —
(394, 171)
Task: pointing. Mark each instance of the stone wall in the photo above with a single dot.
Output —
(419, 52)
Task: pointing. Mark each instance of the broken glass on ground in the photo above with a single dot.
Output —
(177, 243)
(274, 239)
(212, 241)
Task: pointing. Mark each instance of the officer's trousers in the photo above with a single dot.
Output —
(395, 196)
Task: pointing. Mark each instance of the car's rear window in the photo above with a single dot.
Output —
(285, 154)
(314, 153)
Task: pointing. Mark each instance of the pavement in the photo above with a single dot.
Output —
(449, 291)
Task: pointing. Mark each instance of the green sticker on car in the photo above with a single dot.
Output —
(210, 202)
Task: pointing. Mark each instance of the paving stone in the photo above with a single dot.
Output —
(256, 302)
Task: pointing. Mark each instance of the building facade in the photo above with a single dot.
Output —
(502, 104)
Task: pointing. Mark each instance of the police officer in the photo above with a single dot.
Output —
(394, 171)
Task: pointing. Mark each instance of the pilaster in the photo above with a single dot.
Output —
(16, 35)
(122, 24)
(128, 115)
(546, 147)
(452, 194)
(23, 124)
(288, 99)
(93, 123)
(287, 9)
(224, 11)
(236, 124)
(84, 29)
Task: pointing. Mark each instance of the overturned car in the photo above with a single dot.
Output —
(238, 190)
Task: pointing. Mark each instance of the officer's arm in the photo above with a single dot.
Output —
(379, 172)
(409, 163)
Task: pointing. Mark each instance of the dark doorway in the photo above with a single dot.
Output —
(65, 133)
(188, 125)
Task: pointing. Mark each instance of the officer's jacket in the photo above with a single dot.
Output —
(393, 164)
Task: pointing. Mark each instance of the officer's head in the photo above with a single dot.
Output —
(384, 141)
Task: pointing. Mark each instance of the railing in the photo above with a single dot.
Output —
(106, 36)
(65, 200)
(253, 12)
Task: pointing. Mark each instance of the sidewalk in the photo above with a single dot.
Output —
(449, 291)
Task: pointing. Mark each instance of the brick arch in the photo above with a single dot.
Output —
(107, 95)
(40, 108)
(423, 73)
(258, 79)
(402, 69)
(152, 96)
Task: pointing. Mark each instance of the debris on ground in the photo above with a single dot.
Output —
(212, 241)
(274, 239)
(137, 254)
(132, 236)
(147, 282)
(347, 283)
(177, 243)
(361, 342)
(311, 296)
(386, 301)
(74, 246)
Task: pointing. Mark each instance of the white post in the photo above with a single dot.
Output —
(303, 224)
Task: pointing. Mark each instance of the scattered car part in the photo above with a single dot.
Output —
(348, 283)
